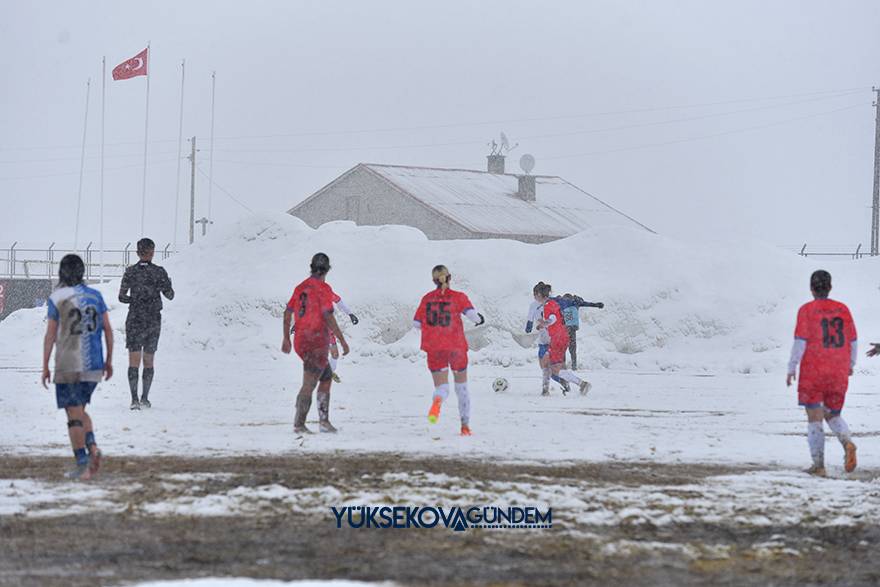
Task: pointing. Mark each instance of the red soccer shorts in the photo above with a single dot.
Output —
(315, 359)
(558, 346)
(439, 360)
(816, 390)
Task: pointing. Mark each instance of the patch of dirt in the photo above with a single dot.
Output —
(107, 548)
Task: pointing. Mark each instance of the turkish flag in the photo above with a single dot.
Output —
(133, 67)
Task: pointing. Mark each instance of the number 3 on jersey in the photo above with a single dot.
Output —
(303, 297)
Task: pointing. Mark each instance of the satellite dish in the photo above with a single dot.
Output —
(527, 163)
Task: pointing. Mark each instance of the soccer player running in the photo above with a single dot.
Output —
(77, 317)
(536, 313)
(141, 287)
(825, 345)
(552, 320)
(311, 307)
(439, 319)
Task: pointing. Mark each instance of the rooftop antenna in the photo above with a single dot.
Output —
(501, 148)
(527, 163)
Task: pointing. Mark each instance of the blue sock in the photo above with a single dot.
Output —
(81, 457)
(90, 438)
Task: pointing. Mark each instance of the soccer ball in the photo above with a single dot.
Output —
(500, 385)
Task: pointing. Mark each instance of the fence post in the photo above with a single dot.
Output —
(858, 255)
(12, 260)
(126, 255)
(803, 252)
(50, 258)
(89, 261)
(165, 251)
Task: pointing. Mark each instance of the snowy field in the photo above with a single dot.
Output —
(687, 359)
(687, 362)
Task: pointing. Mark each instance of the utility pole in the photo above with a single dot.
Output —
(875, 209)
(192, 192)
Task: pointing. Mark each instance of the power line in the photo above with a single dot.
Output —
(55, 159)
(828, 94)
(224, 190)
(540, 136)
(66, 173)
(547, 118)
(703, 137)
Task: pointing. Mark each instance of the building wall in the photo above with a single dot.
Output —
(370, 201)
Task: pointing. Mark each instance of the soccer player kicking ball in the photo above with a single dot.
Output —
(825, 345)
(311, 305)
(552, 320)
(77, 317)
(439, 319)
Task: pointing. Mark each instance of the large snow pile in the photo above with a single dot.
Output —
(669, 305)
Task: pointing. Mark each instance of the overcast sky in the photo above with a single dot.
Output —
(700, 119)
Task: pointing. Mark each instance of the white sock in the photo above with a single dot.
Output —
(333, 363)
(464, 402)
(816, 440)
(545, 378)
(569, 376)
(839, 427)
(442, 391)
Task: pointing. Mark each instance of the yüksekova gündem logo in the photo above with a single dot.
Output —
(453, 518)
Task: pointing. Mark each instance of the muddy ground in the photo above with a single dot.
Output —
(124, 542)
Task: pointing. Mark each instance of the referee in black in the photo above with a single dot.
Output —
(141, 287)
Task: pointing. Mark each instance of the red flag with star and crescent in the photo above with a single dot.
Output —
(133, 67)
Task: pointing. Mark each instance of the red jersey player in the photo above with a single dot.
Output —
(825, 345)
(311, 305)
(439, 319)
(555, 325)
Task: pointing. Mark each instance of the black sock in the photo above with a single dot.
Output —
(148, 381)
(133, 382)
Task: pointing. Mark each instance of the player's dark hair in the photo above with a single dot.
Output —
(441, 276)
(820, 283)
(320, 264)
(71, 270)
(542, 289)
(145, 245)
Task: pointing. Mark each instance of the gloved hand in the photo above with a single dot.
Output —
(600, 305)
(354, 319)
(482, 319)
(529, 326)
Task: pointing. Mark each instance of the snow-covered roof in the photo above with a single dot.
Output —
(488, 203)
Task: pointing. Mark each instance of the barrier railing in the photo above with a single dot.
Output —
(26, 263)
(857, 254)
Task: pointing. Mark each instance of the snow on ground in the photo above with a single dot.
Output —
(687, 358)
(769, 499)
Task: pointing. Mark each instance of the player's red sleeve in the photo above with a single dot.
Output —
(802, 328)
(849, 327)
(464, 303)
(291, 303)
(420, 312)
(326, 302)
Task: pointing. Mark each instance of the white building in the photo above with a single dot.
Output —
(459, 203)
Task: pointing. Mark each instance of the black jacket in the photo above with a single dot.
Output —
(145, 281)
